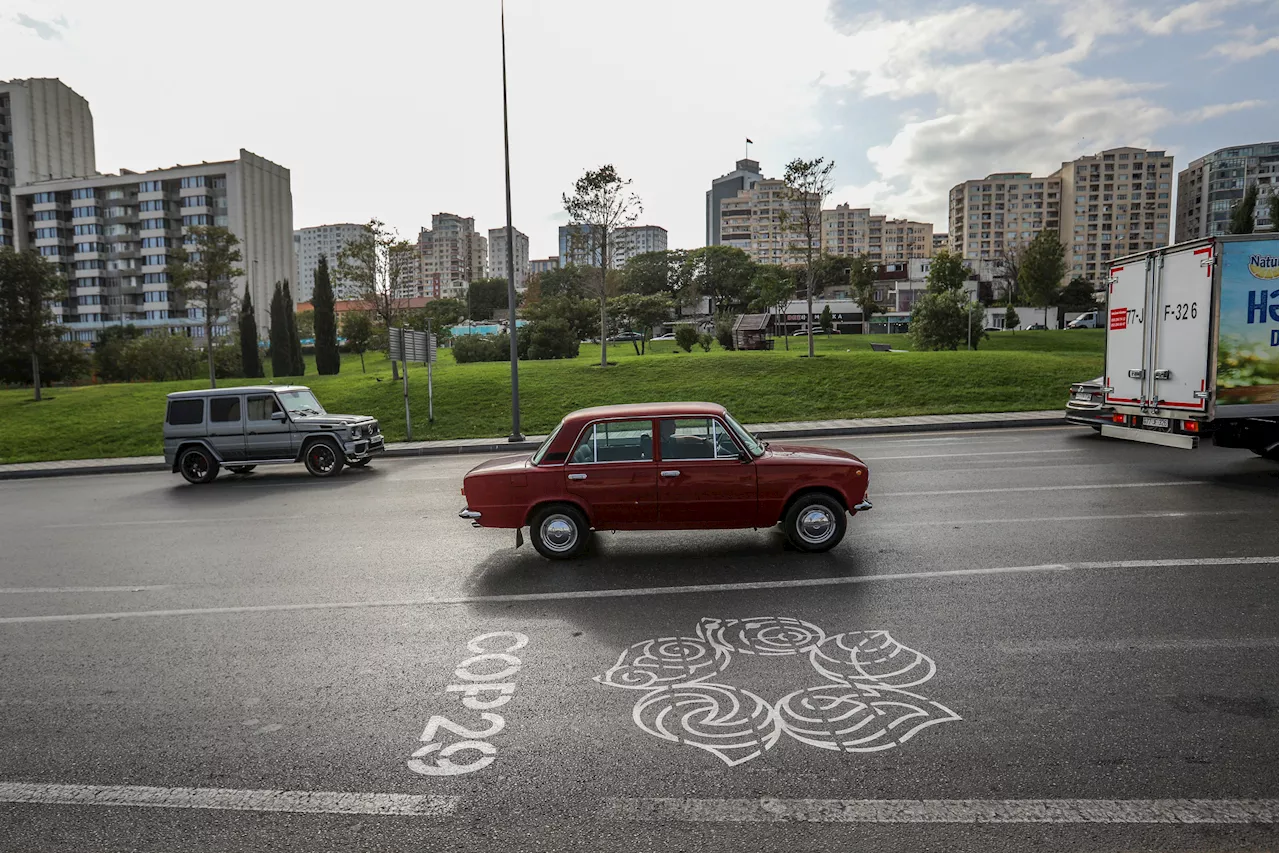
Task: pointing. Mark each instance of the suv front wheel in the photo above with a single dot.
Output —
(322, 459)
(197, 465)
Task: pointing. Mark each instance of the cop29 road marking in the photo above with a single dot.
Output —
(481, 691)
(942, 811)
(299, 802)
(647, 591)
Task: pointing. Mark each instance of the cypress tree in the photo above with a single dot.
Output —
(280, 354)
(328, 360)
(250, 359)
(296, 363)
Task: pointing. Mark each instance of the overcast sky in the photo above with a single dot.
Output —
(394, 110)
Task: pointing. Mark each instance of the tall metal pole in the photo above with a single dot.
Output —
(513, 332)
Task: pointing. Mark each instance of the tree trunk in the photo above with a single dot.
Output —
(208, 332)
(395, 367)
(809, 301)
(604, 339)
(35, 373)
(362, 361)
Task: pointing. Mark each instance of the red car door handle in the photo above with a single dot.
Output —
(671, 473)
(577, 476)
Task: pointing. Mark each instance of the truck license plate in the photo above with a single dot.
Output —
(1156, 423)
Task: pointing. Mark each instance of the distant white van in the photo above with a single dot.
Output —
(1088, 320)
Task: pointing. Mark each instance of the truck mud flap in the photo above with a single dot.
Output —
(1146, 436)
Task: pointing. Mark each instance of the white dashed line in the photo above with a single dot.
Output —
(1090, 487)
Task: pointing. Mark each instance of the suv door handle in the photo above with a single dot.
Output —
(671, 473)
(577, 476)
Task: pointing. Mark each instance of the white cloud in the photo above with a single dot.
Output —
(1218, 110)
(47, 30)
(1248, 44)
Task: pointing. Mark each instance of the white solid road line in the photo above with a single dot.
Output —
(963, 522)
(25, 590)
(942, 811)
(1092, 486)
(1136, 644)
(302, 802)
(644, 591)
(967, 455)
(208, 519)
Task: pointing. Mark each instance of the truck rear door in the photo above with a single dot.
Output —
(1126, 332)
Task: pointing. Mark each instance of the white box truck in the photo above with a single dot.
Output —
(1192, 344)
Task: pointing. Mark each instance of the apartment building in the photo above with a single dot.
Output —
(577, 246)
(498, 255)
(1000, 212)
(46, 133)
(542, 265)
(850, 231)
(626, 243)
(452, 250)
(745, 175)
(1212, 185)
(761, 221)
(311, 244)
(940, 241)
(112, 236)
(1114, 203)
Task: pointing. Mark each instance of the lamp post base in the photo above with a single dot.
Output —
(514, 437)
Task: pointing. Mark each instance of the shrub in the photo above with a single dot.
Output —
(724, 329)
(705, 341)
(686, 337)
(473, 348)
(226, 360)
(549, 339)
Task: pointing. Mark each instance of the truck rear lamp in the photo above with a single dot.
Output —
(1191, 426)
(1120, 419)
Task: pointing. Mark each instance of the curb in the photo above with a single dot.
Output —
(498, 446)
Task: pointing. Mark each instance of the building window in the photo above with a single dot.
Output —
(150, 187)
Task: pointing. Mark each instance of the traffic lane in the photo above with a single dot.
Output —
(1182, 714)
(1080, 684)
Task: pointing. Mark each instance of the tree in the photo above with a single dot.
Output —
(810, 184)
(28, 286)
(328, 359)
(1078, 295)
(1010, 318)
(1274, 204)
(357, 328)
(600, 204)
(774, 289)
(485, 296)
(375, 263)
(443, 315)
(831, 272)
(942, 318)
(947, 273)
(570, 280)
(278, 334)
(686, 336)
(721, 273)
(1043, 267)
(205, 274)
(1008, 264)
(641, 313)
(110, 354)
(297, 364)
(655, 273)
(306, 322)
(250, 358)
(862, 286)
(580, 314)
(826, 321)
(1242, 213)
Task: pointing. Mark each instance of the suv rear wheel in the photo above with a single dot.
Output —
(559, 532)
(814, 522)
(197, 465)
(322, 459)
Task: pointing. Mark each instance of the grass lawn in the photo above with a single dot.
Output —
(1011, 372)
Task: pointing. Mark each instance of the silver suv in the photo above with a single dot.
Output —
(241, 428)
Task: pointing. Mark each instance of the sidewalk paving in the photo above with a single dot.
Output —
(402, 449)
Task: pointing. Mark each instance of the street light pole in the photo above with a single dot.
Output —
(512, 330)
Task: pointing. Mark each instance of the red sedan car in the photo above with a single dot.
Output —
(664, 466)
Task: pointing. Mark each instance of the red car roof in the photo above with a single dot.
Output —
(645, 410)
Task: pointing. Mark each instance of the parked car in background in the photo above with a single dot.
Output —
(670, 336)
(664, 466)
(1034, 327)
(1088, 320)
(242, 428)
(1084, 405)
(626, 337)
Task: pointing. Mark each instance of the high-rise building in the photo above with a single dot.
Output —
(1212, 185)
(855, 231)
(1114, 203)
(112, 236)
(1001, 212)
(763, 221)
(310, 244)
(498, 255)
(542, 265)
(628, 242)
(452, 250)
(745, 175)
(46, 133)
(940, 241)
(577, 247)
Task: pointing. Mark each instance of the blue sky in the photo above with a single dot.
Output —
(393, 109)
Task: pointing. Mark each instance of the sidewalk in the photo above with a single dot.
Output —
(795, 429)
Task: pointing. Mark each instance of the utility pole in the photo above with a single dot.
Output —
(512, 331)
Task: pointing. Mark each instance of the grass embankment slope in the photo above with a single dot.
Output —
(1012, 372)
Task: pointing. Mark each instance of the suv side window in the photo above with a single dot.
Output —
(224, 409)
(615, 441)
(262, 407)
(185, 412)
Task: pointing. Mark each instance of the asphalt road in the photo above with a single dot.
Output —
(1088, 635)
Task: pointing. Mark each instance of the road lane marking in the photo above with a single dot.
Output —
(301, 802)
(941, 811)
(1137, 644)
(23, 590)
(211, 519)
(642, 591)
(1042, 488)
(959, 522)
(966, 455)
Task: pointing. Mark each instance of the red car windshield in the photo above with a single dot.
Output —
(542, 448)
